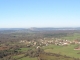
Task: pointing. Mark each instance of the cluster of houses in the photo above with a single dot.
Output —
(47, 41)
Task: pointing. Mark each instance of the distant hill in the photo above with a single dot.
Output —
(11, 29)
(49, 29)
(37, 29)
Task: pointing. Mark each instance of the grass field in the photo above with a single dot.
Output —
(18, 56)
(28, 58)
(63, 50)
(54, 57)
(72, 37)
(24, 49)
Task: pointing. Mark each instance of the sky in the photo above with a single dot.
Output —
(39, 13)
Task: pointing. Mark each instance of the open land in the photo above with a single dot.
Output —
(30, 44)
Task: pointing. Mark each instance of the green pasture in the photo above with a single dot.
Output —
(28, 58)
(18, 56)
(54, 57)
(24, 49)
(63, 50)
(72, 37)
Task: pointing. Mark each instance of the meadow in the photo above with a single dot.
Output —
(63, 50)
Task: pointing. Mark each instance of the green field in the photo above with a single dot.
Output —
(18, 56)
(21, 57)
(24, 49)
(63, 50)
(72, 37)
(54, 57)
(28, 58)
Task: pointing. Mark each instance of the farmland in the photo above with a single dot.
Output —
(64, 50)
(40, 45)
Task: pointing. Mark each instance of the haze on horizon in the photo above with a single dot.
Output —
(39, 13)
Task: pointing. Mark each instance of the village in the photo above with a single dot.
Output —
(47, 41)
